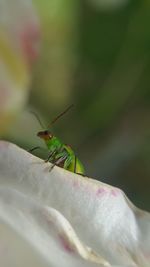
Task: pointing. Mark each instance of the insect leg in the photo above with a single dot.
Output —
(55, 154)
(57, 162)
(52, 153)
(34, 148)
(75, 164)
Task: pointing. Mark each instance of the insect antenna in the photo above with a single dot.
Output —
(38, 119)
(61, 114)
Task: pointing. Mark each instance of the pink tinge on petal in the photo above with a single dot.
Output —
(66, 245)
(30, 40)
(147, 255)
(76, 184)
(115, 192)
(4, 144)
(101, 191)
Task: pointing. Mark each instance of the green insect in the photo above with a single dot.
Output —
(60, 154)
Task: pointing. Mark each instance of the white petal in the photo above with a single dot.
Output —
(46, 229)
(101, 215)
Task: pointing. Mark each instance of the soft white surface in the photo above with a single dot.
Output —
(60, 215)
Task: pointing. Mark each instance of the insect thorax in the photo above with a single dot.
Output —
(54, 142)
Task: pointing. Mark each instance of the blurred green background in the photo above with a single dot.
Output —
(96, 55)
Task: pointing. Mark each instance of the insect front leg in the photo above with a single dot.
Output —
(51, 155)
(54, 154)
(34, 148)
(58, 162)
